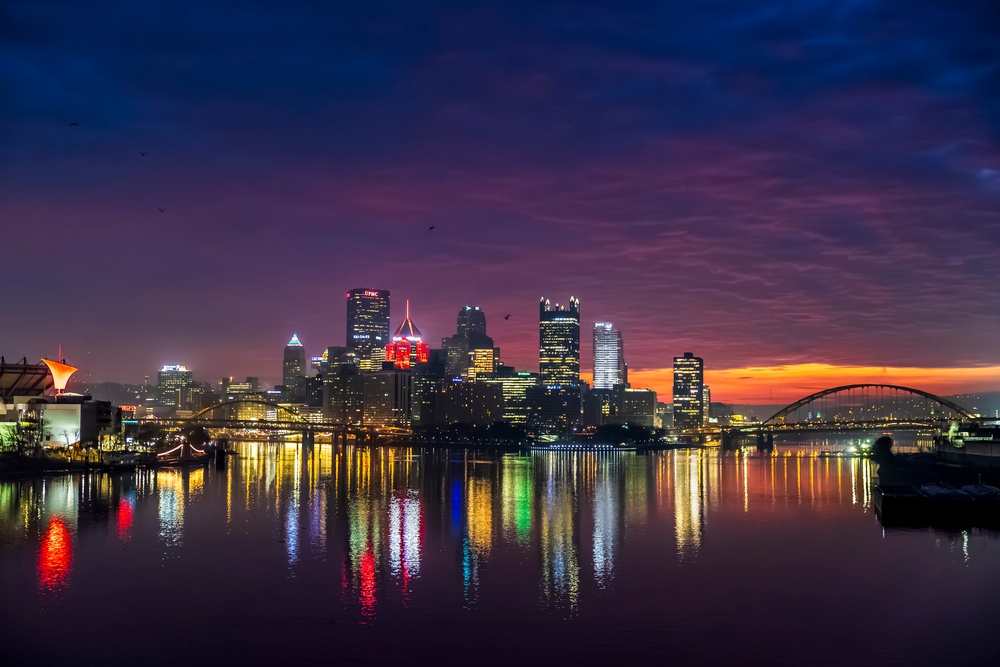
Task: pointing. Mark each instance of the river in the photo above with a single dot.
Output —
(345, 555)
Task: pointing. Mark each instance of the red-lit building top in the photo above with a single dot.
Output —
(407, 347)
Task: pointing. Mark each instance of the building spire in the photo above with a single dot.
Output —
(294, 342)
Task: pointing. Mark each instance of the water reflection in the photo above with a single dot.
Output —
(54, 555)
(562, 521)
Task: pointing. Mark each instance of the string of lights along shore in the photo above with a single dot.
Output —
(383, 377)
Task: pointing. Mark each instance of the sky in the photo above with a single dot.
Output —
(799, 192)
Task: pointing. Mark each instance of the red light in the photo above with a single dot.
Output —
(423, 353)
(367, 593)
(124, 519)
(54, 555)
(371, 293)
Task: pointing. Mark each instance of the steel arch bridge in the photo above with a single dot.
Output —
(276, 418)
(871, 405)
(280, 410)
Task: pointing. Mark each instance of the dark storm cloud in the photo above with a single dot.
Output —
(764, 183)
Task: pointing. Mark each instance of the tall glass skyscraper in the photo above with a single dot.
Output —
(471, 318)
(294, 362)
(689, 383)
(294, 370)
(368, 325)
(559, 343)
(609, 356)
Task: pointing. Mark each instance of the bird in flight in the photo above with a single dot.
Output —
(74, 124)
(162, 210)
(507, 316)
(141, 154)
(430, 228)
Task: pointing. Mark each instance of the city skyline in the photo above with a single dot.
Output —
(803, 197)
(750, 385)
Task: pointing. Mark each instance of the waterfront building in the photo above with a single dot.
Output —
(387, 398)
(32, 395)
(609, 356)
(475, 403)
(559, 343)
(368, 325)
(554, 409)
(638, 407)
(689, 382)
(407, 347)
(599, 406)
(171, 382)
(343, 389)
(515, 386)
(706, 404)
(620, 405)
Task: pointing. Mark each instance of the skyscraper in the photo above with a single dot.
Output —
(467, 350)
(471, 318)
(171, 383)
(294, 363)
(407, 347)
(368, 325)
(609, 356)
(689, 382)
(559, 343)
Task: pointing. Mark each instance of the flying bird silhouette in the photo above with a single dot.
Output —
(162, 210)
(430, 228)
(507, 316)
(141, 154)
(74, 124)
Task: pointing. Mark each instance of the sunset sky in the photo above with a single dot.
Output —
(803, 193)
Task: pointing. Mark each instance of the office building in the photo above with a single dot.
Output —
(471, 318)
(554, 409)
(231, 389)
(343, 388)
(407, 347)
(689, 382)
(465, 351)
(706, 404)
(294, 369)
(427, 380)
(515, 386)
(609, 356)
(459, 402)
(368, 325)
(559, 343)
(171, 382)
(387, 398)
(316, 365)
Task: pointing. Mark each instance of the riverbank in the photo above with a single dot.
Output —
(917, 469)
(13, 465)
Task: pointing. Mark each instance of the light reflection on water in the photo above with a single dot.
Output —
(386, 537)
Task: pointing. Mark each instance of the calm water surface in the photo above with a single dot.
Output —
(350, 555)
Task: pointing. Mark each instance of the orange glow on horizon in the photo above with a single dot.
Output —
(787, 383)
(61, 373)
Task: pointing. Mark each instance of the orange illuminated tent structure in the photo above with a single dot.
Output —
(61, 374)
